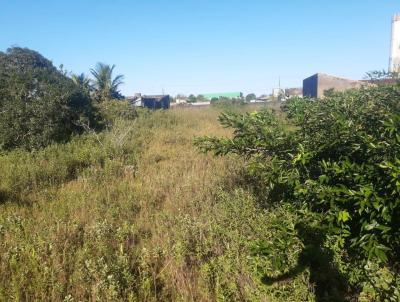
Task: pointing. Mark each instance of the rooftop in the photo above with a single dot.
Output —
(157, 97)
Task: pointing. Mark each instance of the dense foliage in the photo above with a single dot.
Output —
(250, 97)
(83, 82)
(114, 110)
(338, 155)
(38, 103)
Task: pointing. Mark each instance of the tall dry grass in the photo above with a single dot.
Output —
(137, 214)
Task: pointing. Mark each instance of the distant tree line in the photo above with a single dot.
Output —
(200, 98)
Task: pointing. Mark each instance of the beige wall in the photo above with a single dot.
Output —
(326, 82)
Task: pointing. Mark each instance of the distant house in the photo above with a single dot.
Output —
(155, 101)
(277, 92)
(135, 100)
(181, 99)
(291, 92)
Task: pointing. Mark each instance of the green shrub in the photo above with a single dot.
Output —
(295, 109)
(38, 103)
(111, 111)
(340, 157)
(23, 172)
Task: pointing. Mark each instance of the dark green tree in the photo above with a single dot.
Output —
(192, 99)
(250, 97)
(201, 98)
(38, 103)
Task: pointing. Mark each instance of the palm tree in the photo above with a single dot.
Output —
(106, 87)
(82, 81)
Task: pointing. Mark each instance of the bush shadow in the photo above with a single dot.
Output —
(329, 284)
(8, 197)
(3, 196)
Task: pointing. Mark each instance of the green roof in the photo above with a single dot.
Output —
(224, 95)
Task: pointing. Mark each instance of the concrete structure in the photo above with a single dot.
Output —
(316, 85)
(181, 99)
(135, 100)
(199, 104)
(277, 92)
(229, 95)
(394, 60)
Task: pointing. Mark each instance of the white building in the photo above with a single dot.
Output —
(276, 92)
(181, 100)
(394, 60)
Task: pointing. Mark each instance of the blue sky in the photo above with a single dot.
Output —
(205, 45)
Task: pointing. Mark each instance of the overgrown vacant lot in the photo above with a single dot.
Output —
(136, 213)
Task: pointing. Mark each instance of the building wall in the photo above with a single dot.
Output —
(316, 85)
(310, 86)
(180, 101)
(276, 92)
(394, 61)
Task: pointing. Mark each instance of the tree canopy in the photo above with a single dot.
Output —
(250, 97)
(106, 86)
(38, 103)
(82, 81)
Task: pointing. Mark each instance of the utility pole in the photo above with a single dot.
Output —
(279, 83)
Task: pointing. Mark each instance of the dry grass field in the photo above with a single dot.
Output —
(136, 213)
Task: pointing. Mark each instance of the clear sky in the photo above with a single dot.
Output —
(205, 45)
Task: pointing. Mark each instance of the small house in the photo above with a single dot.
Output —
(156, 101)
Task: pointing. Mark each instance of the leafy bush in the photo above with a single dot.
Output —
(105, 153)
(24, 172)
(38, 103)
(340, 156)
(113, 110)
